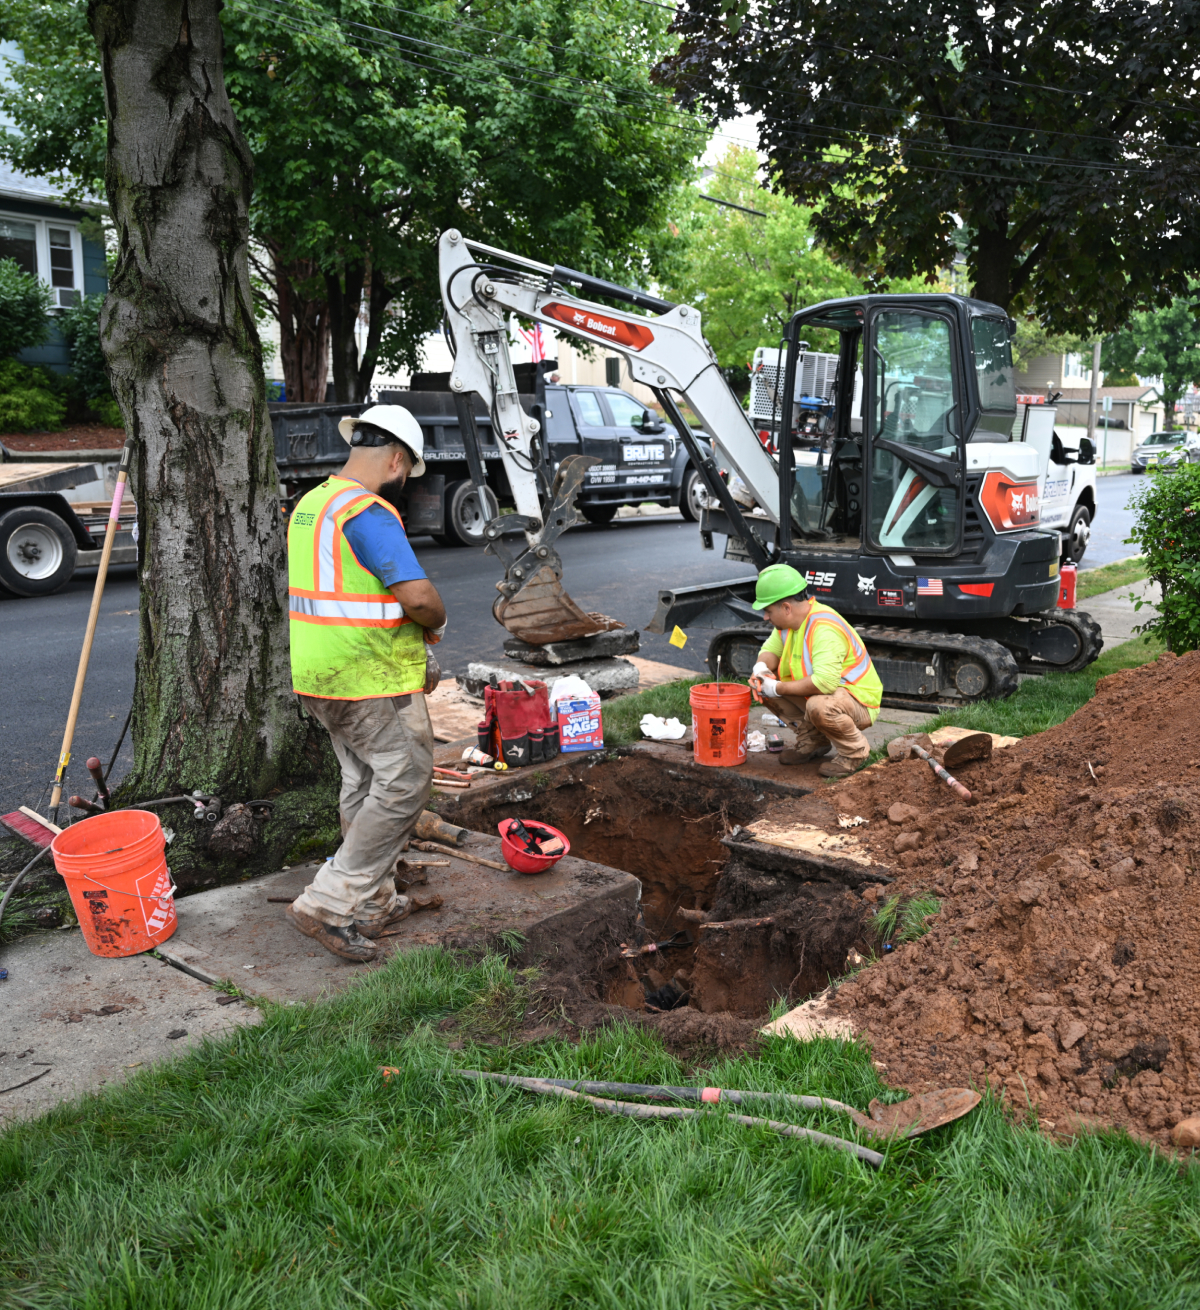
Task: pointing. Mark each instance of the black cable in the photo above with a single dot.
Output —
(120, 740)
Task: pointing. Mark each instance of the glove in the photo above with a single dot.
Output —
(761, 671)
(433, 673)
(768, 687)
(434, 635)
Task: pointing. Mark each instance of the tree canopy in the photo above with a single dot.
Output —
(1056, 141)
(527, 123)
(1159, 343)
(749, 272)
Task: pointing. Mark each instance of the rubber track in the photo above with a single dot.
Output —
(997, 659)
(1091, 637)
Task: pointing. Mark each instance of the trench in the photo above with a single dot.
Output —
(665, 826)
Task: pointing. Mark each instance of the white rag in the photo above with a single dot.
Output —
(660, 729)
(570, 687)
(756, 741)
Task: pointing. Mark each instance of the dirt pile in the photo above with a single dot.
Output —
(1064, 965)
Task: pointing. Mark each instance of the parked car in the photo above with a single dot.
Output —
(1166, 450)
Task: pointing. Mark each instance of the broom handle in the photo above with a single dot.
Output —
(110, 531)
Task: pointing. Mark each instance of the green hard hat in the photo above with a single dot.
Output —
(777, 582)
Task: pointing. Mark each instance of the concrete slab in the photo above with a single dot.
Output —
(1115, 612)
(82, 1022)
(608, 677)
(236, 933)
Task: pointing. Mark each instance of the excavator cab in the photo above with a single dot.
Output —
(917, 379)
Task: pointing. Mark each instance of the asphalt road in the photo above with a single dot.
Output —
(618, 569)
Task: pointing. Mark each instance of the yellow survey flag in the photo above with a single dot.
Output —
(678, 637)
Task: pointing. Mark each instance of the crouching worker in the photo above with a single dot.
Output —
(363, 614)
(815, 674)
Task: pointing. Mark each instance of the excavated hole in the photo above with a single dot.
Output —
(666, 829)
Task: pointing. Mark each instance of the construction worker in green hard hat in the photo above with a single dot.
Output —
(814, 673)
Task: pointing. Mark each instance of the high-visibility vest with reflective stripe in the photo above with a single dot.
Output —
(858, 674)
(350, 637)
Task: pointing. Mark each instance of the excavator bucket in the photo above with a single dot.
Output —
(532, 604)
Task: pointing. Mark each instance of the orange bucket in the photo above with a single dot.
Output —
(720, 715)
(115, 868)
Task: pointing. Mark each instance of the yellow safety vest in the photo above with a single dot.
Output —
(350, 637)
(858, 674)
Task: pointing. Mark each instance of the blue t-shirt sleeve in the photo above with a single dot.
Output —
(381, 546)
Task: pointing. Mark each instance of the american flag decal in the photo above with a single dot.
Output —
(929, 586)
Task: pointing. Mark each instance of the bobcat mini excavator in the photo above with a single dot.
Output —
(908, 505)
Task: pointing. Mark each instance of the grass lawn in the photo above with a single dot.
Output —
(1092, 582)
(276, 1167)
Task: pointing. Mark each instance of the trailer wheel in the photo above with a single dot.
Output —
(37, 551)
(463, 516)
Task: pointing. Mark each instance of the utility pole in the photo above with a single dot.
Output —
(1092, 397)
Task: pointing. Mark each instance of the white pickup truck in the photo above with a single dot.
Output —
(1066, 478)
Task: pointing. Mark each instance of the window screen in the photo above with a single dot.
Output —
(62, 259)
(19, 241)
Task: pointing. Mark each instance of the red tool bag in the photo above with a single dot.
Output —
(518, 726)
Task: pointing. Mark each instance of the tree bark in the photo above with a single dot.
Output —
(995, 258)
(213, 708)
(303, 330)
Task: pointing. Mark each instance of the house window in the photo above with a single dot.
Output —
(62, 266)
(18, 241)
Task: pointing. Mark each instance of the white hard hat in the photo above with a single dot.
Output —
(394, 419)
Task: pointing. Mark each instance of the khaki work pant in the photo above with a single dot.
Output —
(838, 718)
(385, 748)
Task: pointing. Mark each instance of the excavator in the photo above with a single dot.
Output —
(901, 494)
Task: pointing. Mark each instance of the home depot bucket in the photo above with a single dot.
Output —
(115, 868)
(720, 714)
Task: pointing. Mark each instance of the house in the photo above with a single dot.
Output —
(45, 237)
(1132, 414)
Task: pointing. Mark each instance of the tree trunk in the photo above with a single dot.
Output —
(213, 707)
(995, 256)
(303, 330)
(377, 306)
(344, 293)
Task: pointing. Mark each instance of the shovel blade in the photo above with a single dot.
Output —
(921, 1114)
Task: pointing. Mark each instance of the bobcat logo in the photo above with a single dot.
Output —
(866, 585)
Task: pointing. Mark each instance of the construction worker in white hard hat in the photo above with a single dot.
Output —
(363, 616)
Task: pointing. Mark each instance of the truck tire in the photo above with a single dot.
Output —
(37, 551)
(463, 518)
(1075, 538)
(599, 514)
(691, 495)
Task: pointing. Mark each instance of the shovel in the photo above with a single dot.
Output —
(919, 1114)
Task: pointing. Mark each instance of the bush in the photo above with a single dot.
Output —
(24, 306)
(31, 399)
(90, 387)
(1167, 528)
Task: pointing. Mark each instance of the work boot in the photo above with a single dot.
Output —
(840, 767)
(346, 942)
(804, 757)
(374, 928)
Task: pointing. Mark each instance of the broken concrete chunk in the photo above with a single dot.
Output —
(899, 747)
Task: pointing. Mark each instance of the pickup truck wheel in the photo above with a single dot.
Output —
(599, 513)
(1075, 539)
(463, 516)
(37, 551)
(691, 495)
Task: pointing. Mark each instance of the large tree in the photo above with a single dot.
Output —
(746, 257)
(1055, 140)
(531, 124)
(213, 708)
(1159, 343)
